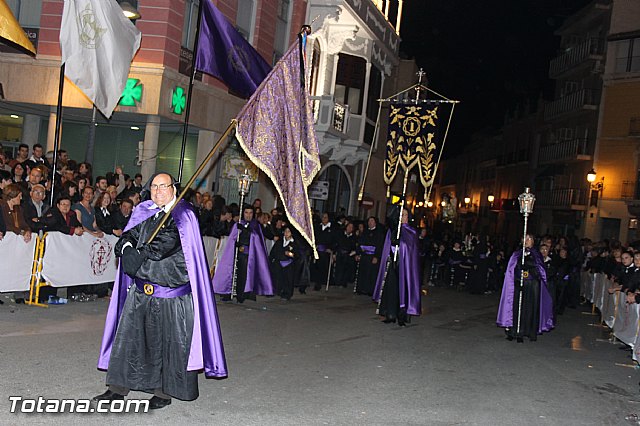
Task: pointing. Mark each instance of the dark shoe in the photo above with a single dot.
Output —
(401, 323)
(225, 298)
(156, 403)
(520, 340)
(302, 291)
(510, 338)
(107, 396)
(19, 301)
(389, 320)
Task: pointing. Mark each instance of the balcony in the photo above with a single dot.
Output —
(565, 198)
(570, 150)
(330, 116)
(584, 99)
(592, 48)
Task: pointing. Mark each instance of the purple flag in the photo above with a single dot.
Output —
(275, 129)
(223, 53)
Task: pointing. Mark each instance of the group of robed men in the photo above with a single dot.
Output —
(162, 324)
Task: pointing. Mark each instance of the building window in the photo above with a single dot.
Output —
(315, 68)
(375, 88)
(27, 12)
(283, 23)
(190, 22)
(350, 82)
(245, 19)
(628, 55)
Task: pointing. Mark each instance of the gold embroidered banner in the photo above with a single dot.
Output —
(415, 138)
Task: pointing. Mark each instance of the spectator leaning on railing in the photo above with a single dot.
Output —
(86, 213)
(12, 212)
(62, 219)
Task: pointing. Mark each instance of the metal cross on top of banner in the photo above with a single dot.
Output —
(416, 134)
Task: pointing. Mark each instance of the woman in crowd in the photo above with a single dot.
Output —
(12, 215)
(84, 172)
(527, 310)
(284, 256)
(82, 182)
(70, 189)
(19, 174)
(86, 213)
(105, 215)
(13, 219)
(398, 286)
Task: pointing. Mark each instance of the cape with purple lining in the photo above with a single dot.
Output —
(505, 311)
(207, 352)
(409, 270)
(258, 275)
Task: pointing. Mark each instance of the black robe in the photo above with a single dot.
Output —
(345, 259)
(369, 262)
(285, 267)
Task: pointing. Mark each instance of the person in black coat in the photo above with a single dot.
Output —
(105, 215)
(207, 219)
(344, 256)
(34, 208)
(369, 250)
(325, 245)
(284, 256)
(62, 219)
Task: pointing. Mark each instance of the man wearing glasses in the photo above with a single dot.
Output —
(162, 324)
(34, 208)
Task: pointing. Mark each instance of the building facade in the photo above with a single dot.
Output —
(353, 52)
(615, 193)
(567, 136)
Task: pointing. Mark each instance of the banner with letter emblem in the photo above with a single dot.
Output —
(415, 138)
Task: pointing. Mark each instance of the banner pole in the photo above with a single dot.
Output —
(56, 138)
(187, 110)
(186, 187)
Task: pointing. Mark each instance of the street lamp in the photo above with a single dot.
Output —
(430, 204)
(129, 11)
(467, 200)
(526, 200)
(490, 198)
(591, 178)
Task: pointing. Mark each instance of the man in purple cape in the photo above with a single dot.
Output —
(536, 314)
(253, 274)
(162, 324)
(399, 282)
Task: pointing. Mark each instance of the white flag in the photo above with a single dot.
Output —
(98, 43)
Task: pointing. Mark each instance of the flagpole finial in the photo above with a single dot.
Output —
(306, 29)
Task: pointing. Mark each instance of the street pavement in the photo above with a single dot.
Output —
(325, 358)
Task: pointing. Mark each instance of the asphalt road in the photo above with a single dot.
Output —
(325, 358)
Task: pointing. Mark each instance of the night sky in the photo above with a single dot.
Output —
(492, 55)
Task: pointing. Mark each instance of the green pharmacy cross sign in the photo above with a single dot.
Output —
(132, 93)
(178, 100)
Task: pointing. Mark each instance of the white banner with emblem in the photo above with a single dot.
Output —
(76, 260)
(17, 261)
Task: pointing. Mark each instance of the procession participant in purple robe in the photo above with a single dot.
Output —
(252, 266)
(399, 281)
(536, 306)
(162, 325)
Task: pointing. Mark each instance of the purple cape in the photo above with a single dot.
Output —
(505, 311)
(206, 351)
(258, 273)
(409, 279)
